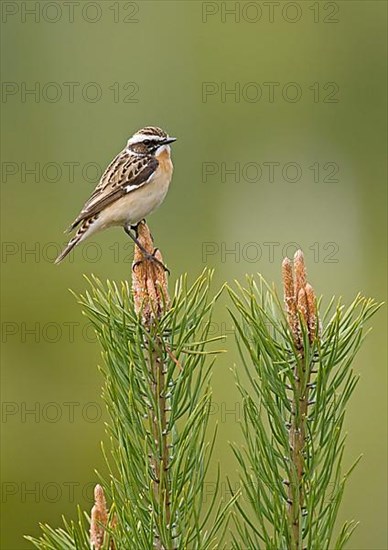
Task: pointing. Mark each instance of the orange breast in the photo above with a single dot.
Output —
(164, 159)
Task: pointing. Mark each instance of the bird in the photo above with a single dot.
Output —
(133, 185)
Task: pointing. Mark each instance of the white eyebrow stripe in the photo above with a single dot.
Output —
(138, 138)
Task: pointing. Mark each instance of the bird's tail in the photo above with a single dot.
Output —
(69, 247)
(78, 237)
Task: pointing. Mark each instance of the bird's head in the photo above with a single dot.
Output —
(149, 141)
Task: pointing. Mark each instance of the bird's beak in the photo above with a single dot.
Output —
(169, 140)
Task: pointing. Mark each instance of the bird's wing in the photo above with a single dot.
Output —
(125, 174)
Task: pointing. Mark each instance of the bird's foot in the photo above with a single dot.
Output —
(151, 258)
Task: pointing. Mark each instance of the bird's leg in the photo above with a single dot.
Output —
(146, 254)
(135, 228)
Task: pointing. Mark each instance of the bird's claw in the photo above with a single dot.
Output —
(151, 258)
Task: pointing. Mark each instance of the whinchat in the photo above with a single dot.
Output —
(134, 185)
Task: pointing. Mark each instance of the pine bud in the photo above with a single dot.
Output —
(149, 280)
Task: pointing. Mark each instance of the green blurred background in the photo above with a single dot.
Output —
(174, 54)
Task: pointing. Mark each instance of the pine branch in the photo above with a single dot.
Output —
(151, 299)
(158, 395)
(300, 305)
(300, 380)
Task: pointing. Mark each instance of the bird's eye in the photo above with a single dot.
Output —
(146, 142)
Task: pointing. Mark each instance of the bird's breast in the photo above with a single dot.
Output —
(164, 159)
(138, 204)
